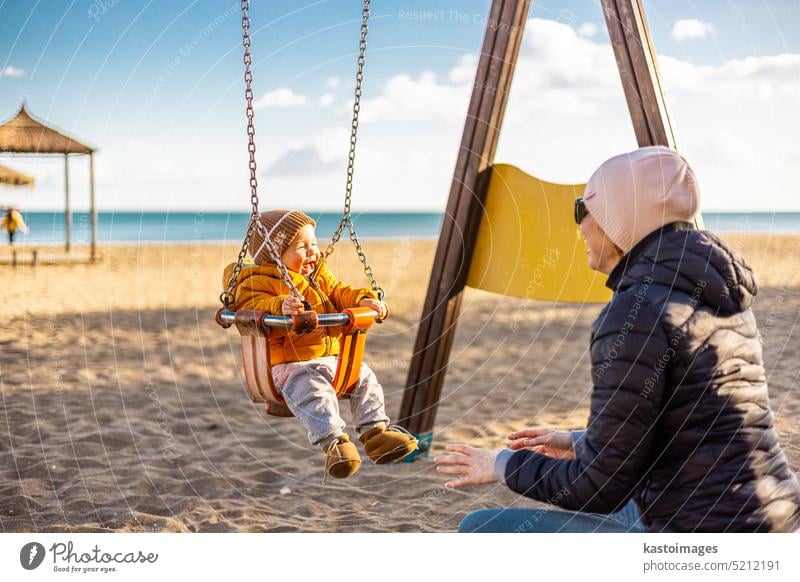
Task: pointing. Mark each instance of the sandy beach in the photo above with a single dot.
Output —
(124, 408)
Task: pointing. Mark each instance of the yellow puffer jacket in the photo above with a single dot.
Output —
(260, 287)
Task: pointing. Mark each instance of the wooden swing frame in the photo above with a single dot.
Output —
(641, 82)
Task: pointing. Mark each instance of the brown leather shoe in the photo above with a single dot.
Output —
(384, 445)
(342, 459)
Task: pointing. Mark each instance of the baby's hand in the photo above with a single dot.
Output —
(292, 305)
(379, 306)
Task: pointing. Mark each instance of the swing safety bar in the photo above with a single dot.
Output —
(353, 320)
(227, 317)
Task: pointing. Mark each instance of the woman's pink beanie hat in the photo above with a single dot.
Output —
(633, 194)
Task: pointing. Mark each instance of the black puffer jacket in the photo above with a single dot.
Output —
(680, 417)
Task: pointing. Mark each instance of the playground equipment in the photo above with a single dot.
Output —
(491, 207)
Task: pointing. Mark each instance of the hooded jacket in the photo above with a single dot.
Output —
(260, 288)
(680, 417)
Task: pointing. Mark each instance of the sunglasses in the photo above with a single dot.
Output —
(580, 211)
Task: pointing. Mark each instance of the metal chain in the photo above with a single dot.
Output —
(367, 269)
(347, 219)
(226, 297)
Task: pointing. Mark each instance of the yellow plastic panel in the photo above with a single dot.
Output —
(529, 245)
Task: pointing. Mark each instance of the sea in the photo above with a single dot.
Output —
(215, 227)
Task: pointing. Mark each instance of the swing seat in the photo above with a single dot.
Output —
(256, 357)
(255, 327)
(528, 244)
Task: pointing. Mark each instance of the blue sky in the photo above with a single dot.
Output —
(157, 87)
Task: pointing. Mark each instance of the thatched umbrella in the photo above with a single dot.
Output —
(23, 134)
(14, 178)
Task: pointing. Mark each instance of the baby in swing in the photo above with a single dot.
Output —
(304, 364)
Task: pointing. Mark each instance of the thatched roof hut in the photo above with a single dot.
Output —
(24, 134)
(14, 178)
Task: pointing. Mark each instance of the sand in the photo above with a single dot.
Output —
(124, 409)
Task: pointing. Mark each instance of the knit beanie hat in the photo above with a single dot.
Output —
(281, 226)
(633, 194)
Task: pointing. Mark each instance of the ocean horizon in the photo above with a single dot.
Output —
(227, 227)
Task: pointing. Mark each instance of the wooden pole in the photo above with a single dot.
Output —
(67, 211)
(499, 52)
(92, 209)
(638, 69)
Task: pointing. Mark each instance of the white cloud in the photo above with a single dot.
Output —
(333, 83)
(322, 154)
(303, 161)
(332, 143)
(404, 98)
(395, 169)
(464, 71)
(559, 70)
(691, 28)
(10, 71)
(283, 97)
(326, 99)
(751, 79)
(587, 29)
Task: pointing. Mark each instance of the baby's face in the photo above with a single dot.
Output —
(302, 255)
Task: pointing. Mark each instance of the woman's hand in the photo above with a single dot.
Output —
(550, 442)
(292, 305)
(375, 304)
(474, 466)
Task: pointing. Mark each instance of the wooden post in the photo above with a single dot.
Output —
(636, 61)
(638, 68)
(92, 209)
(67, 211)
(501, 43)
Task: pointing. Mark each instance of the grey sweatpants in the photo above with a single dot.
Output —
(307, 388)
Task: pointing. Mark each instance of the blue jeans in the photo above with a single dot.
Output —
(515, 520)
